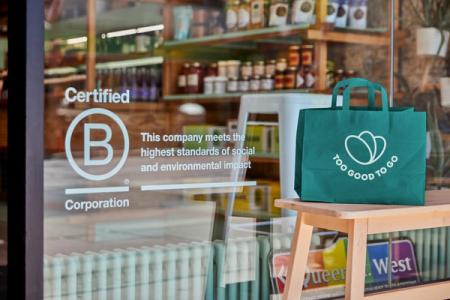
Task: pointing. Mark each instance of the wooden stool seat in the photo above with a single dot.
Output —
(359, 220)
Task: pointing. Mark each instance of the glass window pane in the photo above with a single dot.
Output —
(170, 131)
(422, 72)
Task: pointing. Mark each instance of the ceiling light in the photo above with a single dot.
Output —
(77, 40)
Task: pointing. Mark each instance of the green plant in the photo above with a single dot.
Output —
(439, 162)
(433, 13)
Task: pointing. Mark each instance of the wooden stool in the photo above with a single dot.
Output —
(359, 220)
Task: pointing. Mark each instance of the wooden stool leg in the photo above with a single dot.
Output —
(301, 241)
(356, 260)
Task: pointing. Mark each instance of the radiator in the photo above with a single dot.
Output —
(182, 271)
(202, 270)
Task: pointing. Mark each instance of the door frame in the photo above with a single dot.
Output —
(25, 148)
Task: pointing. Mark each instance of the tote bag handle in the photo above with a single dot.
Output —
(373, 86)
(356, 82)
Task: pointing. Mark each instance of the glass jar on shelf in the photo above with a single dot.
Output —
(222, 67)
(279, 74)
(257, 14)
(194, 79)
(310, 77)
(182, 79)
(307, 54)
(300, 79)
(208, 85)
(212, 70)
(220, 85)
(244, 15)
(289, 78)
(259, 68)
(233, 67)
(267, 83)
(247, 69)
(244, 84)
(232, 86)
(294, 56)
(232, 15)
(255, 83)
(270, 67)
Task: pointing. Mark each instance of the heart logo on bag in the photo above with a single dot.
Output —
(365, 148)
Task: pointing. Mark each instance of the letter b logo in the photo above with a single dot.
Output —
(96, 143)
(88, 144)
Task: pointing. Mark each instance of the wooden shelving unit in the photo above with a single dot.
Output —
(224, 97)
(319, 34)
(376, 36)
(135, 16)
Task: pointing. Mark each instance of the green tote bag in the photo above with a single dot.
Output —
(368, 155)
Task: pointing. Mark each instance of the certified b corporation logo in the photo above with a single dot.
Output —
(103, 144)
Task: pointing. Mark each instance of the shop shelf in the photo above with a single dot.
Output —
(134, 106)
(65, 79)
(373, 36)
(225, 97)
(109, 61)
(144, 14)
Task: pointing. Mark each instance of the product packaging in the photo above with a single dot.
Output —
(182, 16)
(358, 14)
(342, 14)
(303, 11)
(279, 11)
(332, 10)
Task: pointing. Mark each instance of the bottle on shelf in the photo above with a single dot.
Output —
(244, 15)
(212, 70)
(257, 14)
(309, 76)
(182, 79)
(270, 67)
(247, 69)
(153, 85)
(294, 56)
(142, 85)
(279, 73)
(123, 87)
(232, 13)
(290, 78)
(117, 73)
(133, 84)
(259, 68)
(194, 79)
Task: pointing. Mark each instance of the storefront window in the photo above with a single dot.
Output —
(422, 80)
(170, 131)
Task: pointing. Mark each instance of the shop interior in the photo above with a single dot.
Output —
(189, 65)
